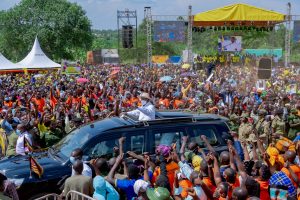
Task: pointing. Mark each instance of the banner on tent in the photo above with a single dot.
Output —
(70, 68)
(297, 31)
(160, 59)
(169, 31)
(264, 52)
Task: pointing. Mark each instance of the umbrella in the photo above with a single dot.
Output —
(114, 72)
(165, 79)
(186, 66)
(82, 80)
(38, 75)
(188, 74)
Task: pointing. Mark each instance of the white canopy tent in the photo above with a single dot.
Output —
(5, 64)
(36, 59)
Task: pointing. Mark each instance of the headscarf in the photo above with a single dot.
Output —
(140, 186)
(196, 162)
(274, 156)
(164, 150)
(284, 142)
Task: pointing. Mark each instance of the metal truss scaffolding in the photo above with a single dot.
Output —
(288, 36)
(127, 28)
(148, 20)
(190, 36)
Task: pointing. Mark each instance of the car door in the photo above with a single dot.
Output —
(136, 140)
(166, 135)
(102, 146)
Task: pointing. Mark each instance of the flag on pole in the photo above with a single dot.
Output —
(35, 167)
(27, 145)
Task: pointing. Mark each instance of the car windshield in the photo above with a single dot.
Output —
(75, 139)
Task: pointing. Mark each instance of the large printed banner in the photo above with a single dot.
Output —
(220, 58)
(264, 52)
(230, 43)
(70, 68)
(169, 31)
(297, 31)
(160, 59)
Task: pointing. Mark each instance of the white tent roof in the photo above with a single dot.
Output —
(5, 64)
(36, 59)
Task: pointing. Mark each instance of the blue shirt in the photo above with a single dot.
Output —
(7, 127)
(237, 145)
(127, 186)
(280, 178)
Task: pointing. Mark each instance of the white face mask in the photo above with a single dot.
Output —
(143, 102)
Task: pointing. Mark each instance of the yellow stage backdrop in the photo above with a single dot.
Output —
(239, 12)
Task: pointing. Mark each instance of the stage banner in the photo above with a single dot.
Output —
(175, 59)
(160, 59)
(169, 31)
(229, 43)
(297, 31)
(262, 52)
(70, 67)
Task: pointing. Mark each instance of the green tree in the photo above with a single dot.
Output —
(62, 28)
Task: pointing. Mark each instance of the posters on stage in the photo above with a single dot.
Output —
(169, 31)
(230, 43)
(70, 67)
(297, 31)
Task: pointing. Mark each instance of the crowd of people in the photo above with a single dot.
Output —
(262, 161)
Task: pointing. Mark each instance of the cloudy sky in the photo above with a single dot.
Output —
(103, 15)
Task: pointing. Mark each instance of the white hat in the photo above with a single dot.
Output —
(145, 96)
(140, 186)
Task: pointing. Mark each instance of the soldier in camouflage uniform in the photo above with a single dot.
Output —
(278, 124)
(234, 122)
(294, 123)
(262, 126)
(245, 128)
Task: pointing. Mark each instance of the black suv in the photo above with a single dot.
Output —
(97, 139)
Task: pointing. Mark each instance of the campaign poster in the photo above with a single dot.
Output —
(169, 31)
(230, 43)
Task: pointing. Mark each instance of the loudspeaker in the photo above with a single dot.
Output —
(127, 39)
(264, 68)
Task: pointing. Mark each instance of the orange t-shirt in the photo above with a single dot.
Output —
(232, 186)
(264, 189)
(185, 184)
(207, 181)
(177, 103)
(8, 104)
(296, 170)
(171, 168)
(165, 102)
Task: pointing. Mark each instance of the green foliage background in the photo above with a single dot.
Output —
(64, 32)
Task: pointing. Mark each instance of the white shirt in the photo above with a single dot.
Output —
(20, 150)
(144, 113)
(232, 47)
(85, 172)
